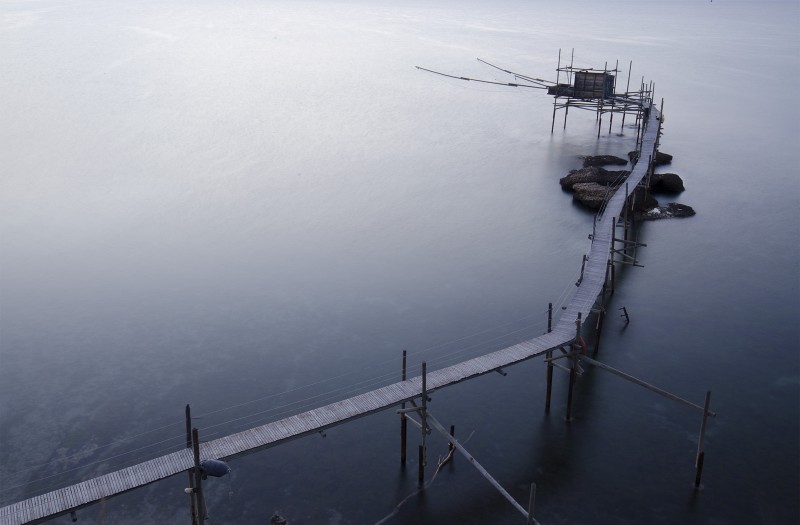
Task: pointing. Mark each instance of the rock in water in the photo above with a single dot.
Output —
(673, 209)
(591, 194)
(276, 519)
(591, 174)
(667, 183)
(603, 160)
(662, 158)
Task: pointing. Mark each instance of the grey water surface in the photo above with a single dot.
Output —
(255, 206)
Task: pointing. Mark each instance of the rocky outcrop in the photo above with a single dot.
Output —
(660, 160)
(671, 210)
(669, 183)
(603, 160)
(593, 185)
(591, 194)
(591, 174)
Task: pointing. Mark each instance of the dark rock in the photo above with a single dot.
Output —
(673, 209)
(591, 174)
(642, 200)
(591, 194)
(277, 519)
(603, 160)
(666, 183)
(662, 158)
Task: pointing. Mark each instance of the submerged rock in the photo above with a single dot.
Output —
(603, 160)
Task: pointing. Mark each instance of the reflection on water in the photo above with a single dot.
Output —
(217, 203)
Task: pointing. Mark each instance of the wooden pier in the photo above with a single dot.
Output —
(592, 284)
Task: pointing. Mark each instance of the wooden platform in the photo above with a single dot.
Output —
(47, 506)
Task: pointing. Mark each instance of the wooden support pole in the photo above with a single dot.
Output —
(192, 503)
(438, 426)
(700, 451)
(648, 386)
(555, 99)
(450, 446)
(625, 314)
(403, 421)
(423, 451)
(573, 371)
(421, 468)
(583, 267)
(613, 277)
(198, 479)
(599, 332)
(549, 356)
(531, 503)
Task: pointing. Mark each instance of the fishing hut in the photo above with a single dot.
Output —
(594, 89)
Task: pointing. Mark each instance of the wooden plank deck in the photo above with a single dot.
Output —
(61, 501)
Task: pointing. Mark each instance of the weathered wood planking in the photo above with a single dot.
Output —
(46, 506)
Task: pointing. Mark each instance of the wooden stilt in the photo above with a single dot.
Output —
(450, 446)
(600, 318)
(198, 479)
(423, 414)
(573, 371)
(439, 428)
(531, 504)
(700, 452)
(549, 356)
(403, 420)
(421, 468)
(192, 503)
(555, 99)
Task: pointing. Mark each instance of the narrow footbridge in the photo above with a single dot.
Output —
(64, 500)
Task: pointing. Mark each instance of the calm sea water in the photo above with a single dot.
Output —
(255, 206)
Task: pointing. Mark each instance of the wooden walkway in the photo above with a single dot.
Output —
(62, 501)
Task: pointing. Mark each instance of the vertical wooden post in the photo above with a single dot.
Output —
(555, 99)
(600, 318)
(700, 451)
(403, 420)
(627, 88)
(625, 220)
(198, 479)
(421, 469)
(573, 372)
(423, 414)
(190, 472)
(613, 253)
(531, 503)
(613, 277)
(549, 355)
